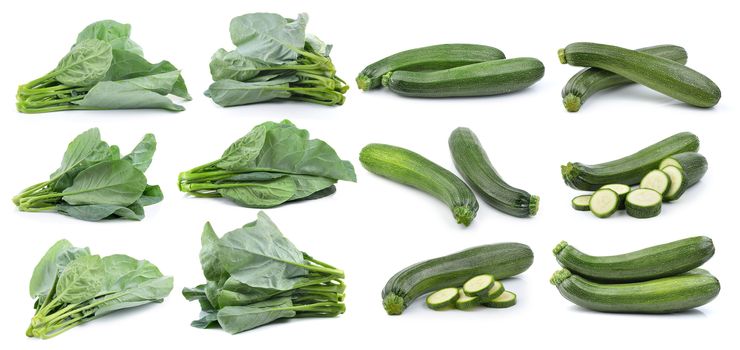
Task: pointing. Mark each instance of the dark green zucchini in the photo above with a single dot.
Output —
(630, 169)
(660, 74)
(475, 167)
(592, 80)
(409, 168)
(428, 58)
(502, 260)
(478, 79)
(650, 263)
(693, 164)
(658, 296)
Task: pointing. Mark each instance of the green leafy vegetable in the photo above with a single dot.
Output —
(273, 164)
(105, 69)
(274, 58)
(94, 182)
(71, 287)
(256, 276)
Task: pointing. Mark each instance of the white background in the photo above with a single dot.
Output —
(375, 227)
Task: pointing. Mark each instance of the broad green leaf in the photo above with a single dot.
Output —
(152, 195)
(80, 280)
(114, 33)
(85, 64)
(51, 264)
(114, 182)
(195, 293)
(316, 45)
(148, 291)
(141, 156)
(142, 92)
(209, 260)
(127, 65)
(253, 176)
(227, 92)
(235, 319)
(83, 147)
(269, 37)
(261, 194)
(207, 320)
(307, 185)
(123, 272)
(97, 212)
(232, 65)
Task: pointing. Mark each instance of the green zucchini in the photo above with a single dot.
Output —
(592, 80)
(643, 203)
(621, 191)
(628, 170)
(409, 168)
(506, 299)
(428, 58)
(604, 203)
(478, 79)
(657, 181)
(580, 203)
(692, 163)
(679, 183)
(466, 302)
(495, 291)
(660, 74)
(442, 299)
(478, 286)
(658, 296)
(475, 167)
(658, 261)
(502, 260)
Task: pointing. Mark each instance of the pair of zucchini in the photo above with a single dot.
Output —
(451, 70)
(409, 168)
(660, 68)
(480, 290)
(658, 279)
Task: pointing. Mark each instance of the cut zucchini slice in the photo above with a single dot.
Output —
(478, 286)
(506, 299)
(495, 291)
(643, 203)
(580, 203)
(465, 302)
(679, 183)
(621, 191)
(604, 203)
(656, 180)
(442, 298)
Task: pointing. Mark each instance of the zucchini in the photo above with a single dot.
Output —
(442, 298)
(502, 260)
(692, 163)
(658, 296)
(409, 168)
(506, 299)
(478, 286)
(643, 203)
(660, 74)
(678, 183)
(495, 291)
(428, 58)
(580, 203)
(475, 167)
(466, 302)
(604, 203)
(478, 79)
(592, 80)
(657, 181)
(645, 264)
(621, 191)
(628, 170)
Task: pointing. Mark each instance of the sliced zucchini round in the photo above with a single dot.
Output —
(604, 203)
(679, 182)
(478, 286)
(465, 302)
(495, 291)
(656, 180)
(580, 203)
(643, 203)
(506, 299)
(442, 298)
(621, 191)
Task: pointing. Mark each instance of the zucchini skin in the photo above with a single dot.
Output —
(658, 296)
(693, 164)
(502, 260)
(660, 74)
(592, 80)
(409, 168)
(628, 170)
(476, 169)
(433, 57)
(658, 261)
(478, 79)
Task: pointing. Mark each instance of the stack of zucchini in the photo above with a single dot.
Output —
(662, 171)
(659, 279)
(482, 290)
(451, 70)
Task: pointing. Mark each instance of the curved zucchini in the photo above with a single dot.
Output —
(409, 168)
(502, 260)
(428, 58)
(692, 163)
(630, 169)
(592, 80)
(475, 167)
(660, 74)
(658, 261)
(659, 296)
(478, 79)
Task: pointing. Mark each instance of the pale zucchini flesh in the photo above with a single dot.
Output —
(495, 291)
(478, 286)
(506, 299)
(621, 191)
(604, 203)
(465, 302)
(678, 183)
(643, 203)
(442, 298)
(657, 181)
(580, 203)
